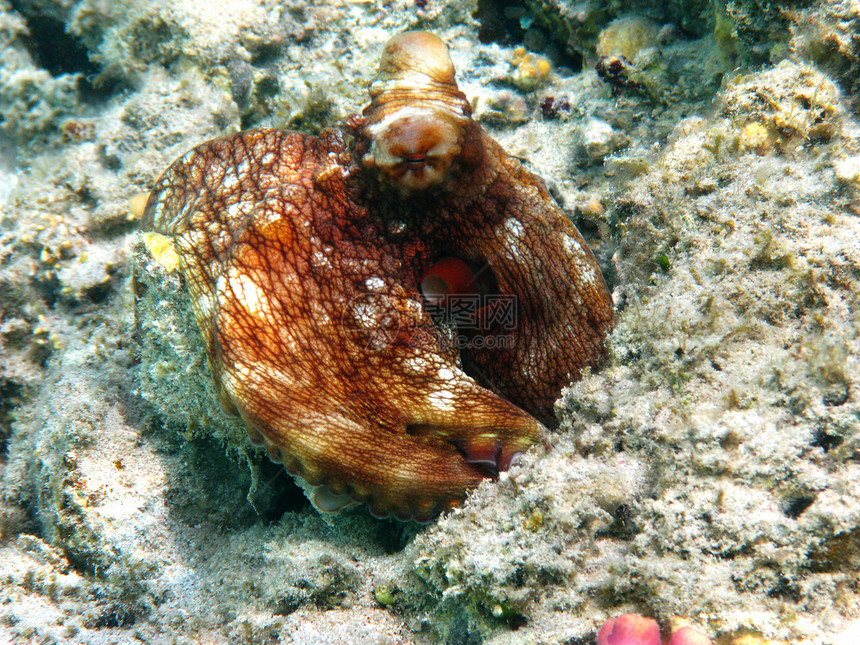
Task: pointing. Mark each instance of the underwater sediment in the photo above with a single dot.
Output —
(708, 471)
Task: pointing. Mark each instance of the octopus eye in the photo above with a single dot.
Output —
(415, 150)
(448, 277)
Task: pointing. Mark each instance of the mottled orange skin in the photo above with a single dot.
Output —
(304, 260)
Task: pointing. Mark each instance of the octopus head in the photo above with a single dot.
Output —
(418, 57)
(415, 148)
(417, 117)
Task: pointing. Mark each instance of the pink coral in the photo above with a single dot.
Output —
(688, 636)
(629, 629)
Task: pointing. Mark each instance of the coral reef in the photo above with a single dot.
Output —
(32, 98)
(829, 38)
(751, 30)
(757, 30)
(709, 472)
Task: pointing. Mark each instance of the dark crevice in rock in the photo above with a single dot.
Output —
(11, 396)
(55, 50)
(510, 23)
(794, 507)
(115, 615)
(61, 53)
(826, 441)
(279, 495)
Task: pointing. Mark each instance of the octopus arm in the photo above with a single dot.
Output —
(538, 258)
(315, 333)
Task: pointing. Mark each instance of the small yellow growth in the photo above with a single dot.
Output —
(520, 54)
(592, 208)
(677, 622)
(626, 37)
(161, 249)
(534, 521)
(53, 254)
(137, 204)
(56, 341)
(756, 137)
(530, 71)
(384, 594)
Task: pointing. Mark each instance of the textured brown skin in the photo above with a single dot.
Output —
(565, 310)
(304, 265)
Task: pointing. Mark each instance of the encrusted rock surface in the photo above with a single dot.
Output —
(709, 471)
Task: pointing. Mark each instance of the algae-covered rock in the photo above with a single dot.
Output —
(577, 25)
(758, 30)
(751, 30)
(710, 470)
(794, 104)
(574, 25)
(693, 16)
(829, 38)
(629, 58)
(173, 372)
(597, 140)
(487, 562)
(34, 101)
(635, 57)
(629, 37)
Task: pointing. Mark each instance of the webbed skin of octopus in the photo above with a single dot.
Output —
(501, 218)
(304, 267)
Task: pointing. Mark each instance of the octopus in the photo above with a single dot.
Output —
(392, 306)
